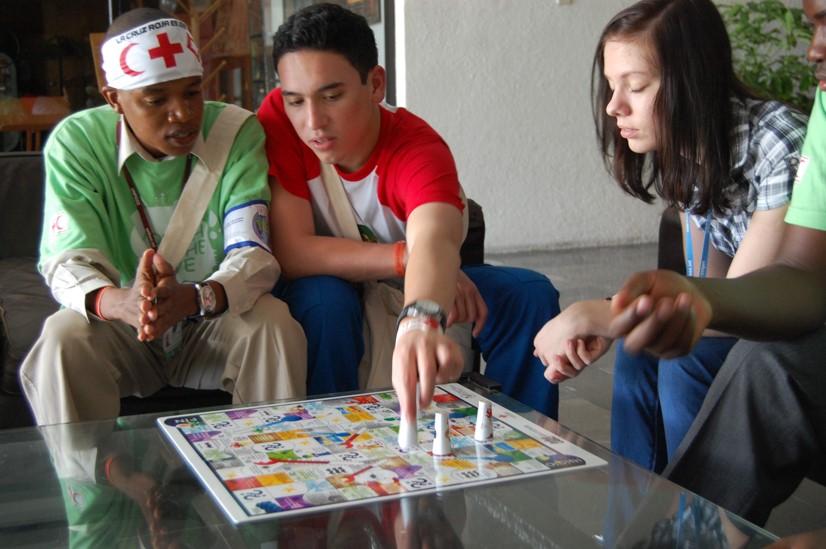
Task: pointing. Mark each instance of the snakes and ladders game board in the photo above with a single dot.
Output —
(284, 459)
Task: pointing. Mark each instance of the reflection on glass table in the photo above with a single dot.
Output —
(120, 483)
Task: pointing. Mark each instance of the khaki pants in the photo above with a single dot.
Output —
(79, 370)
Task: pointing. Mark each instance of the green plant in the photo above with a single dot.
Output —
(769, 41)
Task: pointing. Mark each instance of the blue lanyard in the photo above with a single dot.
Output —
(689, 250)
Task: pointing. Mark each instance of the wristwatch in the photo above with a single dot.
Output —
(205, 299)
(423, 308)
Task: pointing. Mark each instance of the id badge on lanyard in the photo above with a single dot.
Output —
(172, 339)
(689, 249)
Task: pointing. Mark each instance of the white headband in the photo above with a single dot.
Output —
(156, 52)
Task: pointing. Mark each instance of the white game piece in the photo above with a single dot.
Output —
(408, 433)
(484, 422)
(481, 454)
(441, 444)
(409, 507)
(409, 511)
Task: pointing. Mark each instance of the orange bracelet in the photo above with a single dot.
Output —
(107, 465)
(398, 257)
(98, 299)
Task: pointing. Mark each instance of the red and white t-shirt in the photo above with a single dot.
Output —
(410, 166)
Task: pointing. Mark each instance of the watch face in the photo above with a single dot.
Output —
(208, 300)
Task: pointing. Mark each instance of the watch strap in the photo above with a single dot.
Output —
(198, 308)
(414, 311)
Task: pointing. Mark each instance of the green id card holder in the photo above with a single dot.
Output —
(172, 340)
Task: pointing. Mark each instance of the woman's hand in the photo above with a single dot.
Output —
(573, 339)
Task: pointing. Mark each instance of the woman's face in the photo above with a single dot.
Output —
(635, 83)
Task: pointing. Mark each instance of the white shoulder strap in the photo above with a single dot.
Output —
(342, 208)
(201, 185)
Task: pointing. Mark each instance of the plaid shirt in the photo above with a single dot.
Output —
(696, 525)
(767, 137)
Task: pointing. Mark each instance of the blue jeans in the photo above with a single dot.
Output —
(519, 301)
(329, 310)
(761, 428)
(656, 400)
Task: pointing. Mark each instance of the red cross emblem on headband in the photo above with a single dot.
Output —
(190, 45)
(166, 49)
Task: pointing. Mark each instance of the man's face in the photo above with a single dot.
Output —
(816, 13)
(331, 110)
(165, 117)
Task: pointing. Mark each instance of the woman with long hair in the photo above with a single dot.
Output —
(673, 121)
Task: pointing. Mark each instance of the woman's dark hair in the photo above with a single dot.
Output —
(328, 27)
(687, 41)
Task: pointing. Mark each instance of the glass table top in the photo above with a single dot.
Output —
(59, 488)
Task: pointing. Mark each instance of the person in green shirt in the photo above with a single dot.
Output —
(155, 241)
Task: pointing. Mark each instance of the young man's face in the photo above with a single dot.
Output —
(331, 110)
(816, 13)
(165, 117)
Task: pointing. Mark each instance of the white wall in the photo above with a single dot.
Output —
(507, 84)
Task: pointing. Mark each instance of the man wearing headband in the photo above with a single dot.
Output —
(155, 241)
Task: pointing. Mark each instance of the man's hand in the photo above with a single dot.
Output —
(144, 285)
(468, 305)
(128, 305)
(164, 516)
(426, 358)
(661, 312)
(170, 301)
(572, 340)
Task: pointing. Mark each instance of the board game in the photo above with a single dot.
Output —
(283, 459)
